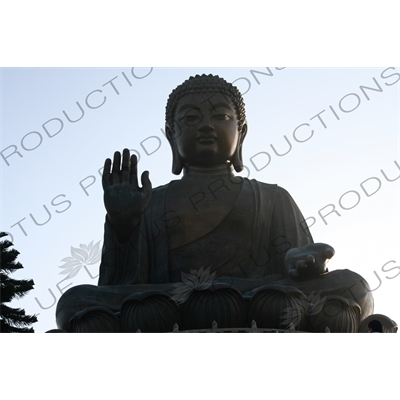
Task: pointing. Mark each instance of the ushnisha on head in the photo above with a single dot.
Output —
(204, 89)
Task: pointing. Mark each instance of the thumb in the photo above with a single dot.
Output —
(146, 183)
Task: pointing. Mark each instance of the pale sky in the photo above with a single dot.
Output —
(335, 174)
(326, 169)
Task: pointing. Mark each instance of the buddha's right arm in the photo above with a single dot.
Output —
(120, 258)
(123, 227)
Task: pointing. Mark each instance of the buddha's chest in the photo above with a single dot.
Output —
(199, 208)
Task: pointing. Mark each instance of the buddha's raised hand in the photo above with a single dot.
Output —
(124, 200)
(309, 260)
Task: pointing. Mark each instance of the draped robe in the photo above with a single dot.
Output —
(245, 247)
(266, 222)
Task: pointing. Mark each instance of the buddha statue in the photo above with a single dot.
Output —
(211, 246)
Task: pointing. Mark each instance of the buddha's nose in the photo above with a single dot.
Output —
(206, 125)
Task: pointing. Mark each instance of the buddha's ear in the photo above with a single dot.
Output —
(243, 132)
(177, 164)
(168, 132)
(237, 159)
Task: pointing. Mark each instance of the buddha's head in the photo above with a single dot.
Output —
(206, 123)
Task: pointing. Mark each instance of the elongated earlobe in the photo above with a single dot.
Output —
(177, 164)
(237, 159)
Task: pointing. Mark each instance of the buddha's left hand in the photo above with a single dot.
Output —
(308, 261)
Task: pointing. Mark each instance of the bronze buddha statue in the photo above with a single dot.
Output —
(210, 246)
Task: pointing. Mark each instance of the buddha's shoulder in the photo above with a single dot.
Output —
(270, 188)
(162, 188)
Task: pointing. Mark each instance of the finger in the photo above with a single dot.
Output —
(133, 172)
(320, 264)
(106, 173)
(115, 173)
(125, 166)
(146, 183)
(310, 261)
(329, 252)
(301, 264)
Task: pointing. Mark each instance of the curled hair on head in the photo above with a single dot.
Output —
(201, 84)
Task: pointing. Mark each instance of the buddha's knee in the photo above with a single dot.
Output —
(354, 287)
(344, 283)
(95, 320)
(334, 314)
(289, 308)
(74, 300)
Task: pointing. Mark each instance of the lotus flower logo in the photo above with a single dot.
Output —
(313, 305)
(81, 257)
(200, 279)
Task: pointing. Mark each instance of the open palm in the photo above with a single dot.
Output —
(124, 200)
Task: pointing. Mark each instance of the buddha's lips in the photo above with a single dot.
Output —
(207, 139)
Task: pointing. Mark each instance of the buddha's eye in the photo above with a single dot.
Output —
(222, 117)
(191, 119)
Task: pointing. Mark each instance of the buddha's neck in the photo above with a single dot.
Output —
(205, 172)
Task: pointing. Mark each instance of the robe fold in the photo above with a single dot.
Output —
(245, 247)
(250, 242)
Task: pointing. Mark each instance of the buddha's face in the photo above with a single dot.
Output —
(206, 129)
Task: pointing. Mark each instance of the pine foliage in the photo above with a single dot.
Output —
(13, 319)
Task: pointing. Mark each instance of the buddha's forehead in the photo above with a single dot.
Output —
(205, 100)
